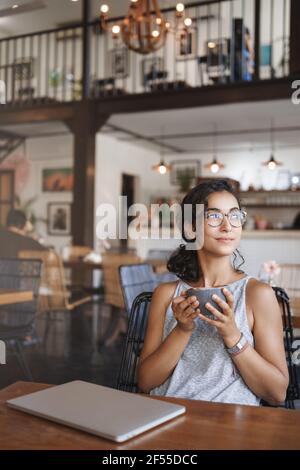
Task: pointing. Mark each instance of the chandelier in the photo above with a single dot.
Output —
(144, 29)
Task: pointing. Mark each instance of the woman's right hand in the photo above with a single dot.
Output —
(185, 311)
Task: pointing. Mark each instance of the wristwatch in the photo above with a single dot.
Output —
(239, 346)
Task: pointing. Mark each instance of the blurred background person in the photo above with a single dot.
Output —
(14, 237)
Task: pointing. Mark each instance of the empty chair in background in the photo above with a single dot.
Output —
(54, 296)
(17, 321)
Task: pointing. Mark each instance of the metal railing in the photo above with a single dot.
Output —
(230, 41)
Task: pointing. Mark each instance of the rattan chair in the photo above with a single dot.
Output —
(127, 378)
(18, 320)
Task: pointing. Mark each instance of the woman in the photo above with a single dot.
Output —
(237, 357)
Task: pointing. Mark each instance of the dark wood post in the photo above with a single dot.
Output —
(84, 126)
(257, 39)
(295, 38)
(86, 8)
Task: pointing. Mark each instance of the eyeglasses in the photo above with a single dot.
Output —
(236, 218)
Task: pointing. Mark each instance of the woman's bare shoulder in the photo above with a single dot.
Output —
(256, 287)
(260, 294)
(165, 291)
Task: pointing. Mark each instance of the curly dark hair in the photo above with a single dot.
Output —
(182, 262)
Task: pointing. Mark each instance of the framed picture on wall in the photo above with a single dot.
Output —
(119, 62)
(185, 173)
(186, 44)
(59, 218)
(57, 180)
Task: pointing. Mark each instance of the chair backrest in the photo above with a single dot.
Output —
(289, 279)
(19, 274)
(293, 392)
(112, 287)
(159, 254)
(53, 293)
(127, 379)
(135, 279)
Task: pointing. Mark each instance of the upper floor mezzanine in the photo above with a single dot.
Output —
(235, 50)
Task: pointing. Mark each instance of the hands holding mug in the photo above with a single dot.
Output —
(186, 310)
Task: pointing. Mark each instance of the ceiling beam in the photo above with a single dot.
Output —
(264, 90)
(151, 140)
(200, 135)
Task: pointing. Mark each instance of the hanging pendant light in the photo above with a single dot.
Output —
(162, 167)
(214, 166)
(144, 28)
(272, 163)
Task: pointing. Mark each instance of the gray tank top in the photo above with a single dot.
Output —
(205, 370)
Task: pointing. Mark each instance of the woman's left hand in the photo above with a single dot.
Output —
(225, 320)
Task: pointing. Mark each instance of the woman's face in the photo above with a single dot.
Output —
(223, 239)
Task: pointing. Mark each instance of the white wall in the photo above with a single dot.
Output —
(43, 153)
(115, 157)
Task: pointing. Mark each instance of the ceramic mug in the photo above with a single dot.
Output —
(204, 295)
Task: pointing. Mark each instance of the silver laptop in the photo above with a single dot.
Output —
(103, 411)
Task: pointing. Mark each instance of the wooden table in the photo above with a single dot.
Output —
(204, 426)
(295, 306)
(8, 297)
(159, 265)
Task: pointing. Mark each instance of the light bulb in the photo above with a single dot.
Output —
(162, 169)
(116, 29)
(272, 165)
(211, 44)
(155, 33)
(104, 9)
(158, 20)
(295, 179)
(180, 7)
(214, 168)
(168, 25)
(188, 22)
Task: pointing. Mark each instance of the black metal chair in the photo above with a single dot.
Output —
(18, 320)
(293, 392)
(127, 379)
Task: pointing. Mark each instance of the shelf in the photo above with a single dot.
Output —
(272, 206)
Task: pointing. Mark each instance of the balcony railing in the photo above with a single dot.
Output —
(229, 42)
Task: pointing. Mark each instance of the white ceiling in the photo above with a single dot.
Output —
(56, 12)
(236, 117)
(244, 118)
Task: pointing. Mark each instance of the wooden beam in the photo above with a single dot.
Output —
(84, 127)
(295, 39)
(57, 112)
(264, 90)
(86, 9)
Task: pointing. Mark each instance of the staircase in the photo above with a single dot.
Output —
(8, 143)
